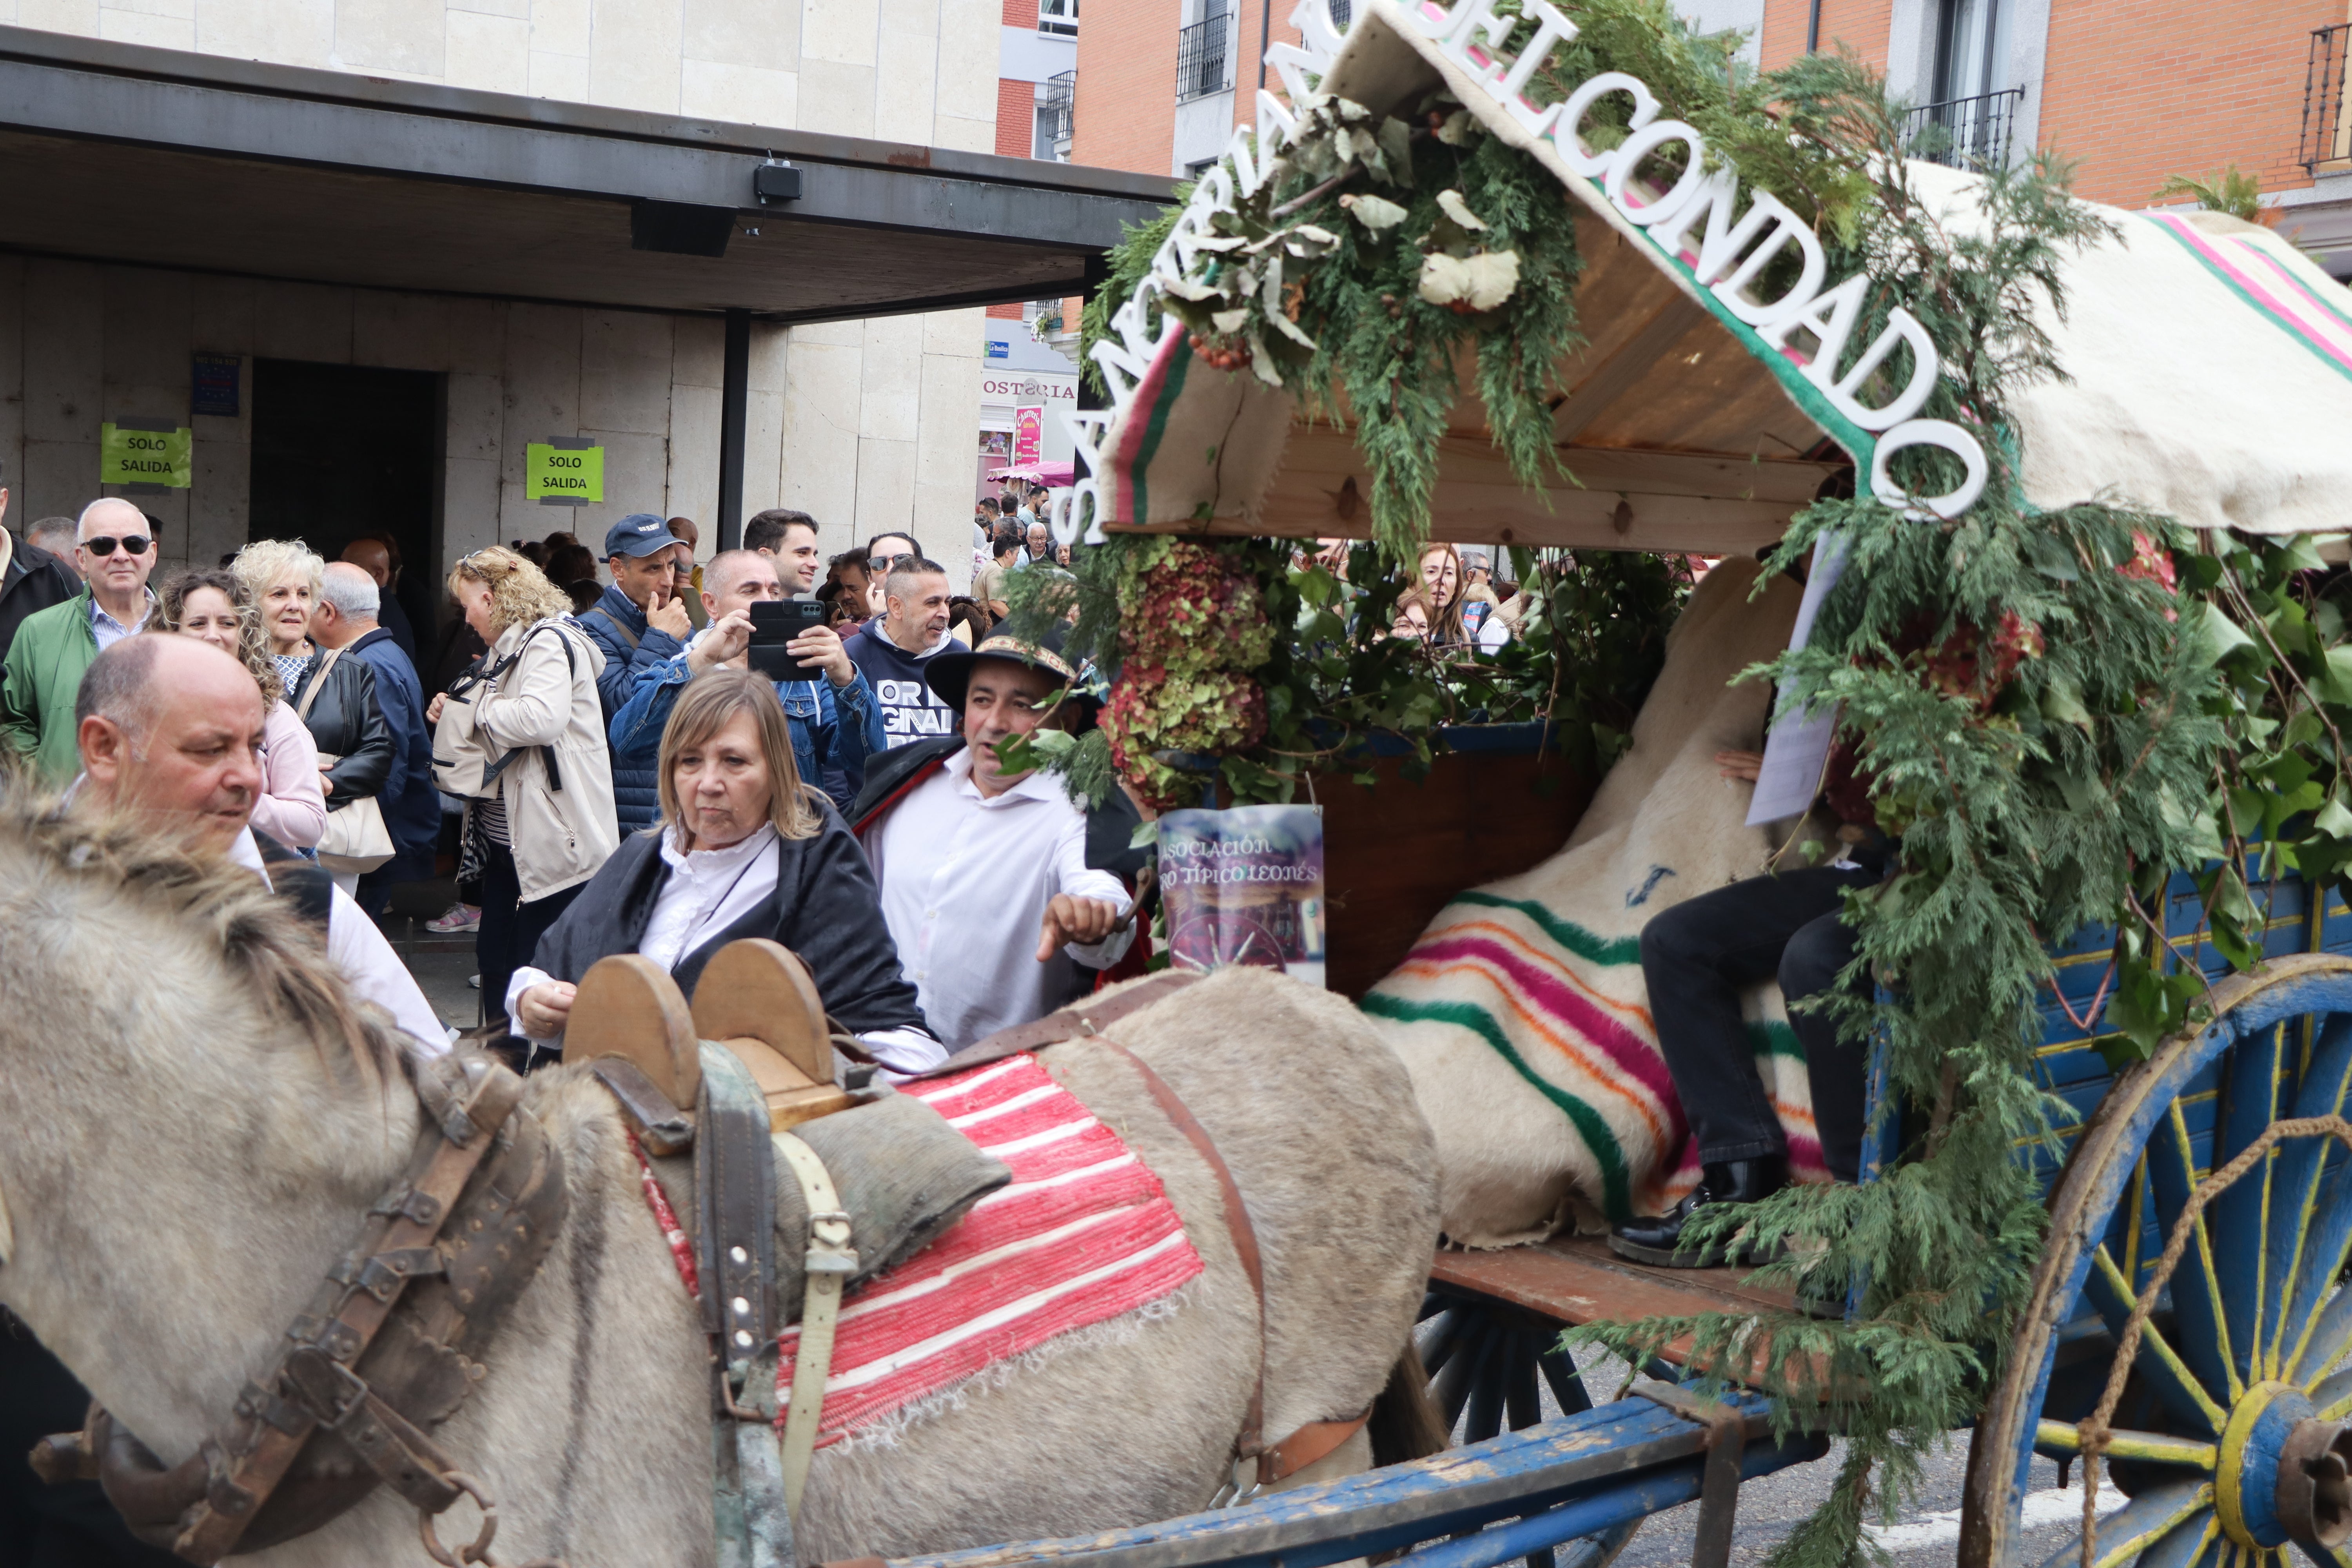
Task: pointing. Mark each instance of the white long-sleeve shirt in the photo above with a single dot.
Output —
(364, 959)
(965, 881)
(706, 891)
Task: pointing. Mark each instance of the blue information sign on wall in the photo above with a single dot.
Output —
(213, 385)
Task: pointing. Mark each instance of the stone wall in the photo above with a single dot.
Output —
(864, 425)
(867, 425)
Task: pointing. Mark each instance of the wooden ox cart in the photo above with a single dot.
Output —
(1690, 433)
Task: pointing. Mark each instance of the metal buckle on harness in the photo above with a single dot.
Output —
(829, 1251)
(1233, 1494)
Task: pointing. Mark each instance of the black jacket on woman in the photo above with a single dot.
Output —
(348, 723)
(825, 908)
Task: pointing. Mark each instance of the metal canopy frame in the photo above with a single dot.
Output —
(121, 154)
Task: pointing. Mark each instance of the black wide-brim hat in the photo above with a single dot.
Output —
(949, 673)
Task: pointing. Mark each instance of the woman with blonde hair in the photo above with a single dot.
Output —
(1441, 596)
(528, 716)
(211, 605)
(333, 696)
(745, 849)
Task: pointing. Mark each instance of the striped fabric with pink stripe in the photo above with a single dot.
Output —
(2264, 281)
(1084, 1233)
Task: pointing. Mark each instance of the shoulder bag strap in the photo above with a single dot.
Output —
(318, 678)
(614, 621)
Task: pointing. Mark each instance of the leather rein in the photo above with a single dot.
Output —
(1316, 1440)
(383, 1355)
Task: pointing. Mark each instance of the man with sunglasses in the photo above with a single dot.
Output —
(115, 549)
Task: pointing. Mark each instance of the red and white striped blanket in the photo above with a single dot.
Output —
(1083, 1234)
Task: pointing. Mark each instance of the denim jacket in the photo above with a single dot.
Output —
(834, 728)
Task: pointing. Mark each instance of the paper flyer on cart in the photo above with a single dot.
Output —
(1245, 886)
(1798, 747)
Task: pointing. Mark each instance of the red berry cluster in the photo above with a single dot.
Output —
(1224, 356)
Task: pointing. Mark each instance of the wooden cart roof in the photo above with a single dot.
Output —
(2210, 370)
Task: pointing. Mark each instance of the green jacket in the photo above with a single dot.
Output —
(44, 672)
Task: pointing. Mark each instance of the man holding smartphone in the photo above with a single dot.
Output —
(835, 722)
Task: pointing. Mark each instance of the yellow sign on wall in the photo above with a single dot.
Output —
(130, 456)
(557, 474)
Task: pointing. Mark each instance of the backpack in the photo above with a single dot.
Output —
(466, 762)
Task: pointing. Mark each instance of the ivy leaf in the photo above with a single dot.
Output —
(2339, 675)
(1450, 204)
(2334, 820)
(2061, 702)
(1377, 214)
(1146, 835)
(2216, 637)
(2301, 555)
(1396, 144)
(2050, 558)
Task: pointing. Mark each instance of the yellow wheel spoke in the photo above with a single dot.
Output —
(2056, 1437)
(2152, 1343)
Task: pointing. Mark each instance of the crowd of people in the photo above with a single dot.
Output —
(630, 761)
(553, 743)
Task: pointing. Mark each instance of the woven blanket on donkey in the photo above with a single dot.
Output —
(1084, 1234)
(1522, 1012)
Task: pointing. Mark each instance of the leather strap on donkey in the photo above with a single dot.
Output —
(382, 1357)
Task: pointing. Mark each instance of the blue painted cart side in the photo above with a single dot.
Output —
(1513, 1495)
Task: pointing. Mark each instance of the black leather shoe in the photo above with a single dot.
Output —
(1659, 1240)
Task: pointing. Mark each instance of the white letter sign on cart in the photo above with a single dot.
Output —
(1733, 251)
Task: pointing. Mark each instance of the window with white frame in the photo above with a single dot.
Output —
(1059, 17)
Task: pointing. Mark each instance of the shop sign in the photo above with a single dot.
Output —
(148, 452)
(1016, 386)
(1028, 433)
(559, 473)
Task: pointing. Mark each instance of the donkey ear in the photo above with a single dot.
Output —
(628, 1007)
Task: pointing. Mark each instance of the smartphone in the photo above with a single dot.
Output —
(775, 623)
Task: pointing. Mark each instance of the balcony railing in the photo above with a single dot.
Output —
(1965, 132)
(1200, 57)
(2326, 133)
(1056, 113)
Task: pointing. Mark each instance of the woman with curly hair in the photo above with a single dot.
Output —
(211, 606)
(531, 711)
(334, 696)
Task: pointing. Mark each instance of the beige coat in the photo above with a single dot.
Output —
(546, 700)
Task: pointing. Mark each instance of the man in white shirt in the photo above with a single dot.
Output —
(170, 731)
(986, 884)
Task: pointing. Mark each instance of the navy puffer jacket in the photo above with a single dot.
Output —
(631, 646)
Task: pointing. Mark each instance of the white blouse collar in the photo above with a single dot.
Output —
(701, 863)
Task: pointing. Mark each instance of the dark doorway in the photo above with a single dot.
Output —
(341, 451)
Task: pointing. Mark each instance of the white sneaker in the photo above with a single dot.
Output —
(455, 920)
(474, 982)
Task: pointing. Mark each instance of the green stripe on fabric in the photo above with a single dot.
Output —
(1575, 938)
(2234, 287)
(1481, 1023)
(1767, 1039)
(1154, 432)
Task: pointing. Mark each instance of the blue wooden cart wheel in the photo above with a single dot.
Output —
(2231, 1435)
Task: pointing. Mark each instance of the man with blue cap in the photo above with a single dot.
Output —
(637, 625)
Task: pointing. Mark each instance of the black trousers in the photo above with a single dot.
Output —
(511, 929)
(69, 1526)
(1696, 958)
